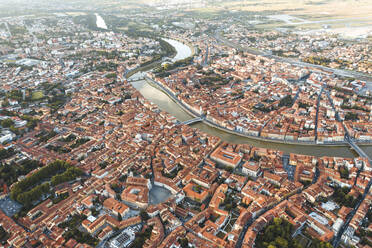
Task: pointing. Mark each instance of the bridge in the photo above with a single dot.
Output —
(192, 121)
(135, 79)
(356, 148)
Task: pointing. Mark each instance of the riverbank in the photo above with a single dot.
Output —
(142, 68)
(191, 46)
(159, 86)
(166, 103)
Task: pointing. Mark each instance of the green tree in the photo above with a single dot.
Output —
(144, 215)
(184, 242)
(286, 101)
(277, 234)
(3, 235)
(6, 153)
(7, 123)
(344, 172)
(29, 189)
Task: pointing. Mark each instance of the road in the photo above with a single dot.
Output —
(205, 61)
(361, 153)
(317, 113)
(337, 239)
(7, 27)
(249, 223)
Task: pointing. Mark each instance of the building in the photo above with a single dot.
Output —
(251, 169)
(115, 206)
(225, 157)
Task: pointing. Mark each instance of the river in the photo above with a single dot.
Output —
(100, 22)
(165, 103)
(183, 51)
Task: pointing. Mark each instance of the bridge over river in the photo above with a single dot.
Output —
(356, 148)
(192, 121)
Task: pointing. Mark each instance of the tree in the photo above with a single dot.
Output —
(5, 103)
(118, 196)
(29, 190)
(73, 232)
(69, 175)
(166, 66)
(6, 153)
(286, 101)
(3, 234)
(319, 244)
(142, 237)
(341, 197)
(277, 234)
(351, 116)
(278, 221)
(119, 217)
(123, 178)
(115, 187)
(7, 123)
(111, 75)
(94, 211)
(281, 242)
(144, 215)
(344, 172)
(184, 242)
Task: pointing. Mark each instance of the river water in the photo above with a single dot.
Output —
(165, 103)
(100, 22)
(183, 51)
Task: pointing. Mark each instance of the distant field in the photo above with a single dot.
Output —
(340, 16)
(75, 13)
(301, 11)
(314, 8)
